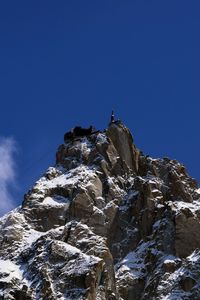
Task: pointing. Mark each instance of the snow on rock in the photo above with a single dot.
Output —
(71, 178)
(9, 271)
(56, 201)
(133, 263)
(102, 138)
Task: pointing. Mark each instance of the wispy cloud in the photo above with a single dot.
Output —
(7, 173)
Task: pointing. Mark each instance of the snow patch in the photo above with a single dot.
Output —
(58, 201)
(194, 257)
(31, 236)
(73, 177)
(177, 206)
(133, 262)
(101, 138)
(9, 270)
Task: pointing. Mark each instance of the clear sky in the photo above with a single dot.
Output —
(66, 63)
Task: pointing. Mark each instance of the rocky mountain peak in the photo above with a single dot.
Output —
(110, 151)
(106, 222)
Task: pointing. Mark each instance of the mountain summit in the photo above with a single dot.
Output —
(105, 223)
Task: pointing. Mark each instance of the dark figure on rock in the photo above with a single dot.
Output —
(78, 131)
(112, 118)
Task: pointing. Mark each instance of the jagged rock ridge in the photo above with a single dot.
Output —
(106, 222)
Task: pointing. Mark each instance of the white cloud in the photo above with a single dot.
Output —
(7, 173)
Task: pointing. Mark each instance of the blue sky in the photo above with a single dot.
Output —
(66, 63)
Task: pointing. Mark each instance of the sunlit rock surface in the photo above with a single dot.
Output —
(106, 222)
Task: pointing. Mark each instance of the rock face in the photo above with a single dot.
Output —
(105, 223)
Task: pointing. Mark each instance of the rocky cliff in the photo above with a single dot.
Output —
(105, 223)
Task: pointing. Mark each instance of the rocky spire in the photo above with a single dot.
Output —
(106, 222)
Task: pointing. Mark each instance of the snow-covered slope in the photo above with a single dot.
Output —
(106, 222)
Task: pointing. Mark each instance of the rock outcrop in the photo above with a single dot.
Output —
(105, 223)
